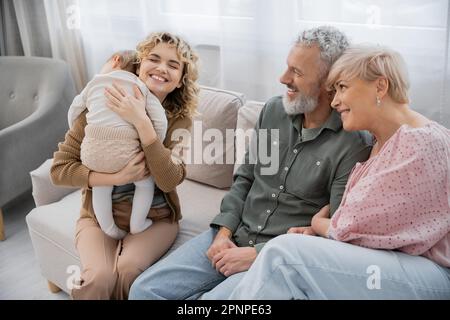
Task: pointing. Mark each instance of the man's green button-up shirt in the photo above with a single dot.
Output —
(313, 171)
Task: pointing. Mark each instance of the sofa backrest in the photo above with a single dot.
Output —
(247, 117)
(211, 156)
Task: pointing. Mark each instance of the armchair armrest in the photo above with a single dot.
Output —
(34, 120)
(44, 191)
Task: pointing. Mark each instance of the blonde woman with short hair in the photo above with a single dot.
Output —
(390, 237)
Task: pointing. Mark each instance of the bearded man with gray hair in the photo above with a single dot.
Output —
(315, 155)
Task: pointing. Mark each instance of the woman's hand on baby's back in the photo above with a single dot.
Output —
(135, 170)
(128, 107)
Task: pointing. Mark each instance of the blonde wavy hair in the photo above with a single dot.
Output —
(182, 101)
(369, 63)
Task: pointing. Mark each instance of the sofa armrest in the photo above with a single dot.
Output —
(44, 191)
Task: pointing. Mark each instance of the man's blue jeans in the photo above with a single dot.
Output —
(187, 273)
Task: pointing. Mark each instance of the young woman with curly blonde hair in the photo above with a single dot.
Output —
(168, 67)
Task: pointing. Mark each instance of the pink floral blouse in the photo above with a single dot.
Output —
(400, 198)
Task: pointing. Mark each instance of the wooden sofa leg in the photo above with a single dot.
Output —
(53, 287)
(2, 226)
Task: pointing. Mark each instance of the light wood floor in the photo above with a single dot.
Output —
(20, 277)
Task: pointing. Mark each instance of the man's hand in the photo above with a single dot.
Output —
(221, 242)
(303, 230)
(234, 260)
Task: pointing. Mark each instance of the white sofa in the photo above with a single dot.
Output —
(52, 223)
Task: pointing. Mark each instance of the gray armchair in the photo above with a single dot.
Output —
(35, 94)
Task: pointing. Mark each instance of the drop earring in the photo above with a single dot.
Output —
(378, 102)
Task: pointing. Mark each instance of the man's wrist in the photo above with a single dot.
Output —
(225, 232)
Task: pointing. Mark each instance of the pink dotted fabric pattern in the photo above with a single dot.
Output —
(400, 198)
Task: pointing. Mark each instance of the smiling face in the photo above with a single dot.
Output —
(355, 101)
(302, 79)
(162, 70)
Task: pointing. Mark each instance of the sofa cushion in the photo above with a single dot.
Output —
(44, 192)
(207, 161)
(200, 203)
(57, 221)
(247, 117)
(52, 227)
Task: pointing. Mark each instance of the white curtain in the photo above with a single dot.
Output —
(23, 28)
(9, 30)
(445, 106)
(243, 44)
(44, 28)
(65, 38)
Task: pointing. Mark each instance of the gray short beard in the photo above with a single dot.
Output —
(300, 105)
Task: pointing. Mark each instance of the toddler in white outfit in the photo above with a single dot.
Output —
(110, 142)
